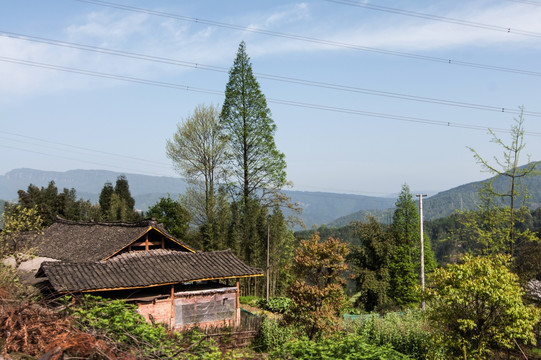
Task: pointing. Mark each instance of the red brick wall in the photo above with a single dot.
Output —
(159, 309)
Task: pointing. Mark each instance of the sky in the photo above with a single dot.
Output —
(366, 95)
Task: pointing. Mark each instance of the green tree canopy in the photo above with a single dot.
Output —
(50, 203)
(403, 287)
(105, 198)
(257, 167)
(477, 305)
(172, 215)
(369, 263)
(21, 224)
(317, 293)
(116, 203)
(198, 151)
(406, 219)
(508, 168)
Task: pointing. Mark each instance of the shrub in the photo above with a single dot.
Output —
(408, 332)
(276, 304)
(250, 300)
(477, 305)
(344, 346)
(118, 321)
(273, 335)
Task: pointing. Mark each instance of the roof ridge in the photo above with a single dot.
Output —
(139, 223)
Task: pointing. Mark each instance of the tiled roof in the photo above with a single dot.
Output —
(140, 269)
(93, 241)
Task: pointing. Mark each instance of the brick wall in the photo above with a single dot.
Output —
(158, 310)
(162, 311)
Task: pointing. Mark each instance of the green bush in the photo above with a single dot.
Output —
(276, 304)
(118, 321)
(273, 335)
(348, 346)
(249, 300)
(407, 332)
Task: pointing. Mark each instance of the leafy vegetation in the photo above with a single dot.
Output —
(477, 305)
(342, 346)
(279, 304)
(236, 201)
(317, 293)
(408, 332)
(119, 322)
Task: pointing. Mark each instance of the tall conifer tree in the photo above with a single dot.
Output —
(257, 166)
(405, 228)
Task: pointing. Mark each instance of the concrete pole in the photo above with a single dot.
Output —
(420, 196)
(268, 261)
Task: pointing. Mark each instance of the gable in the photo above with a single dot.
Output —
(94, 241)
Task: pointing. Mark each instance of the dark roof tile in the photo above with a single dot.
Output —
(145, 269)
(77, 241)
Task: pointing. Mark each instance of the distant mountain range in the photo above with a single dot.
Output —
(333, 209)
(445, 203)
(318, 207)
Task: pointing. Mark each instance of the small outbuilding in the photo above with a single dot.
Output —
(169, 281)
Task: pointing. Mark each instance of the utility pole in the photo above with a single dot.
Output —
(268, 267)
(420, 196)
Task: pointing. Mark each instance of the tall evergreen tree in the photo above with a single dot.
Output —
(116, 203)
(406, 219)
(258, 167)
(403, 289)
(405, 229)
(105, 199)
(122, 189)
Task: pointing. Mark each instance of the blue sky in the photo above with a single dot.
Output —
(372, 123)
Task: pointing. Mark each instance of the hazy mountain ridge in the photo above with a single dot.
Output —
(333, 209)
(445, 203)
(318, 207)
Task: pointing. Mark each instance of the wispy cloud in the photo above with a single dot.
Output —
(207, 44)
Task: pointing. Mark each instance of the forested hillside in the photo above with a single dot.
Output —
(445, 203)
(318, 207)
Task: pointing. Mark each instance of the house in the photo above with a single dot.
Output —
(169, 281)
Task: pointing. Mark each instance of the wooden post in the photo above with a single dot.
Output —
(237, 304)
(146, 242)
(172, 320)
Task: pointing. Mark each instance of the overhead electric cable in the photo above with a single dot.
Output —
(387, 9)
(81, 160)
(314, 40)
(312, 83)
(536, 3)
(132, 158)
(278, 101)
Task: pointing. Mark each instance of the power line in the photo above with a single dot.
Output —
(536, 3)
(79, 160)
(277, 101)
(327, 193)
(315, 40)
(387, 9)
(126, 157)
(292, 80)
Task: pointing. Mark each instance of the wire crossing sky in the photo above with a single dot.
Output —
(366, 95)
